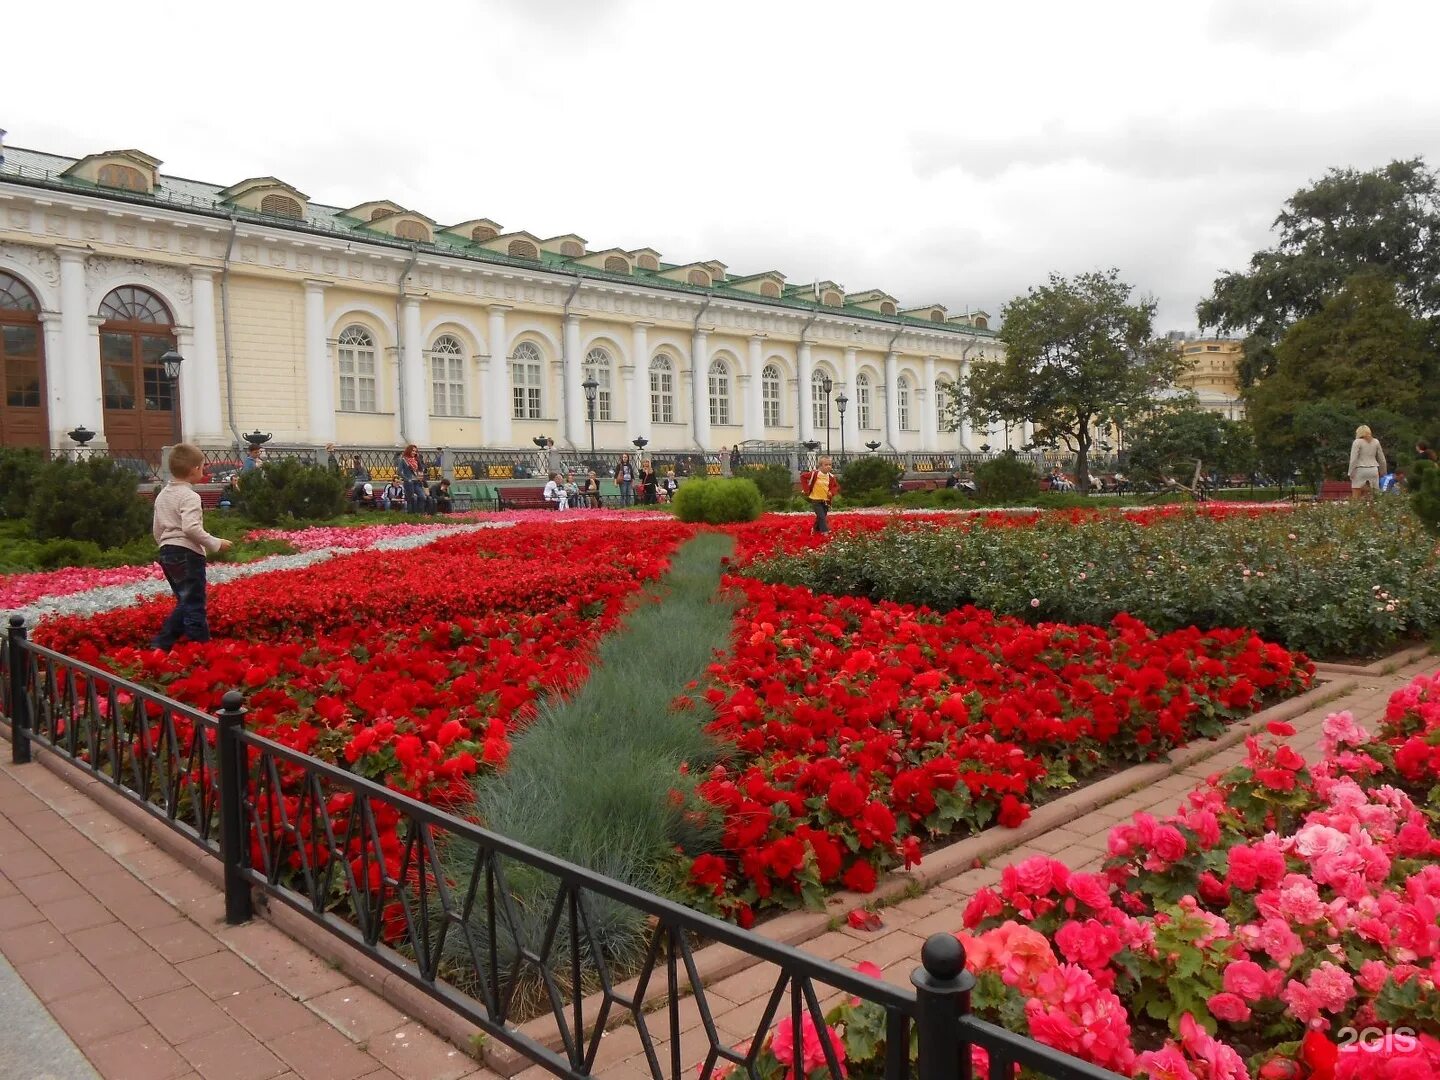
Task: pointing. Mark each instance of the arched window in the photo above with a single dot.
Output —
(447, 376)
(412, 230)
(616, 265)
(379, 212)
(863, 415)
(598, 367)
(355, 351)
(139, 398)
(698, 277)
(571, 250)
(662, 390)
(940, 399)
(649, 262)
(523, 249)
(123, 176)
(982, 323)
(526, 368)
(819, 414)
(481, 233)
(719, 393)
(902, 402)
(770, 289)
(22, 365)
(770, 394)
(937, 315)
(280, 206)
(887, 308)
(831, 299)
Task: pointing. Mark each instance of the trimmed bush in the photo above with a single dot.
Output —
(774, 481)
(870, 478)
(18, 471)
(1007, 479)
(1424, 483)
(718, 502)
(94, 500)
(288, 490)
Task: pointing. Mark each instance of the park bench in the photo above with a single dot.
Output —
(1333, 491)
(209, 494)
(522, 498)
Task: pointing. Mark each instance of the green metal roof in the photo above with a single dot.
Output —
(38, 169)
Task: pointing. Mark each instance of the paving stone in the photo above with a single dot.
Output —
(231, 1054)
(185, 1014)
(139, 1054)
(413, 1053)
(319, 1052)
(95, 1015)
(358, 1013)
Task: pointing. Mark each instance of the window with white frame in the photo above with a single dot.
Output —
(526, 366)
(356, 350)
(940, 386)
(598, 367)
(719, 393)
(862, 402)
(770, 394)
(447, 376)
(819, 414)
(902, 403)
(662, 390)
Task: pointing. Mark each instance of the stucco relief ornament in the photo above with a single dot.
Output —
(172, 278)
(43, 264)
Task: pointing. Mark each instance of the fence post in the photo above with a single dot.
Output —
(19, 702)
(234, 776)
(942, 993)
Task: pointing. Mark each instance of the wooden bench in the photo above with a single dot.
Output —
(522, 498)
(1333, 491)
(209, 494)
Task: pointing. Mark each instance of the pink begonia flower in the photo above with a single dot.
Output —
(1071, 1012)
(1332, 986)
(1248, 980)
(1341, 730)
(1414, 1058)
(1228, 1007)
(1167, 1063)
(1221, 1061)
(812, 1050)
(22, 590)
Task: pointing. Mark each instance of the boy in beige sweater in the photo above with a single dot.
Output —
(179, 529)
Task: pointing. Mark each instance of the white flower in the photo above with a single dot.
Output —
(1034, 602)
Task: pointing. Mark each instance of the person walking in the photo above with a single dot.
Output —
(179, 530)
(1367, 464)
(625, 478)
(821, 487)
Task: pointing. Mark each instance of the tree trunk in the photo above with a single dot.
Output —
(1082, 457)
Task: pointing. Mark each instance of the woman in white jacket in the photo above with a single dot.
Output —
(1367, 463)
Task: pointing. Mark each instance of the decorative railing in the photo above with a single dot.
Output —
(432, 897)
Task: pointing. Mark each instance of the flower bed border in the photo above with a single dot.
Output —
(716, 962)
(1386, 665)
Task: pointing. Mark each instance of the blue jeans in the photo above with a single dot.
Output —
(822, 515)
(414, 496)
(627, 492)
(185, 571)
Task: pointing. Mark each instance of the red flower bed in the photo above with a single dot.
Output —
(410, 667)
(862, 730)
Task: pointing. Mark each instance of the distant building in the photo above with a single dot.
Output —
(1214, 373)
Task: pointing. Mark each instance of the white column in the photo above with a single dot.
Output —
(1028, 431)
(571, 377)
(803, 393)
(202, 363)
(185, 346)
(892, 399)
(319, 376)
(700, 388)
(929, 422)
(498, 408)
(966, 433)
(80, 345)
(57, 394)
(754, 390)
(640, 403)
(412, 375)
(850, 422)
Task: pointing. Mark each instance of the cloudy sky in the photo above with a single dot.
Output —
(950, 151)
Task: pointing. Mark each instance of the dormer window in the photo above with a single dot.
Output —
(281, 206)
(770, 289)
(937, 315)
(832, 299)
(122, 176)
(887, 308)
(982, 323)
(649, 262)
(571, 250)
(413, 230)
(616, 265)
(522, 249)
(483, 232)
(379, 212)
(698, 277)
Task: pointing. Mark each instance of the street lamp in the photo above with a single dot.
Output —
(171, 362)
(840, 402)
(591, 387)
(826, 385)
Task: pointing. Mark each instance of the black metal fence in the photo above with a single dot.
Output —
(433, 898)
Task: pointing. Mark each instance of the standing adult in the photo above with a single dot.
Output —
(413, 478)
(649, 485)
(1367, 463)
(726, 462)
(821, 487)
(332, 462)
(625, 478)
(735, 460)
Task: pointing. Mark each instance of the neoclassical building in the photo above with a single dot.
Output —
(375, 325)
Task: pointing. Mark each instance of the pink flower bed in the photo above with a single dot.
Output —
(19, 590)
(321, 536)
(1283, 924)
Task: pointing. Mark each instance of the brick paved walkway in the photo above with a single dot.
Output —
(128, 950)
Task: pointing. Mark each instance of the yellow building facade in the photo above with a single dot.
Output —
(375, 326)
(1214, 374)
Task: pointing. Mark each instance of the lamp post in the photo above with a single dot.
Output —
(840, 402)
(171, 361)
(826, 385)
(591, 387)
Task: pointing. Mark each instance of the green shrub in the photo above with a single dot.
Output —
(939, 499)
(718, 502)
(288, 490)
(1424, 481)
(1335, 581)
(94, 500)
(868, 477)
(774, 481)
(1007, 479)
(53, 554)
(18, 470)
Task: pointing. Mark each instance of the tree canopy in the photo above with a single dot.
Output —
(1170, 440)
(1384, 221)
(1078, 353)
